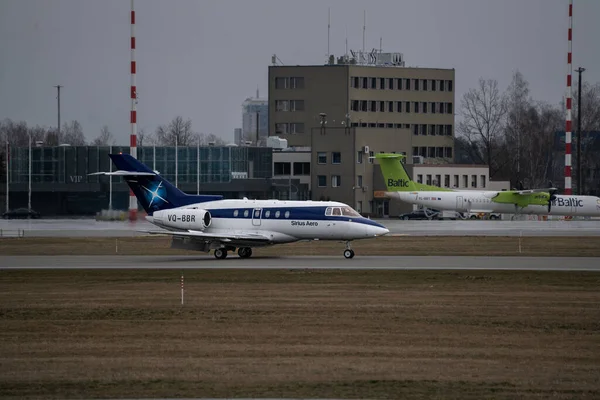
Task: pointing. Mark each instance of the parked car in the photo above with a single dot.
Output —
(21, 213)
(421, 214)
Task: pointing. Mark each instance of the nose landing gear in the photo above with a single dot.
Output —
(348, 253)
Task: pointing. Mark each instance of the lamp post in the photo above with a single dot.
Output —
(29, 190)
(579, 177)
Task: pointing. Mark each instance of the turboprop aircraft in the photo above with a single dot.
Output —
(529, 201)
(207, 222)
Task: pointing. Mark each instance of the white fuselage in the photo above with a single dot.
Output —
(282, 221)
(478, 201)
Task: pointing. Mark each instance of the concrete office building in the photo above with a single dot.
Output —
(349, 110)
(255, 120)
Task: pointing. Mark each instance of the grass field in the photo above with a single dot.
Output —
(351, 334)
(401, 245)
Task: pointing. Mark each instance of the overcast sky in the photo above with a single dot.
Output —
(201, 59)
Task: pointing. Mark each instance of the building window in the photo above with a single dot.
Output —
(336, 180)
(359, 206)
(448, 130)
(465, 181)
(448, 151)
(424, 129)
(433, 107)
(391, 83)
(322, 180)
(438, 180)
(297, 83)
(449, 86)
(474, 181)
(407, 83)
(399, 106)
(390, 106)
(296, 105)
(381, 106)
(431, 130)
(439, 152)
(441, 90)
(415, 129)
(420, 178)
(456, 183)
(416, 82)
(364, 106)
(446, 179)
(399, 83)
(428, 177)
(431, 152)
(281, 168)
(365, 83)
(359, 157)
(354, 105)
(416, 106)
(424, 82)
(433, 82)
(373, 106)
(336, 157)
(381, 83)
(449, 108)
(373, 83)
(355, 82)
(281, 129)
(282, 83)
(424, 107)
(359, 181)
(482, 181)
(407, 106)
(282, 105)
(371, 157)
(297, 127)
(321, 157)
(302, 168)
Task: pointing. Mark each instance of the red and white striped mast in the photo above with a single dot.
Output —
(568, 132)
(133, 206)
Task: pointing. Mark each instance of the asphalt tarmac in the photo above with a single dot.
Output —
(309, 262)
(93, 228)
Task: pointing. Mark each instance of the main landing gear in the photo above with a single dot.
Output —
(243, 252)
(348, 253)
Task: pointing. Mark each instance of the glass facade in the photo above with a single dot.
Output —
(72, 164)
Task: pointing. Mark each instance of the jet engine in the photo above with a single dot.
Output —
(184, 218)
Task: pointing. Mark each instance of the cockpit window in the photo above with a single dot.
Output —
(336, 211)
(328, 211)
(350, 212)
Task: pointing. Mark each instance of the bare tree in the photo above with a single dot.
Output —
(178, 130)
(73, 134)
(483, 110)
(16, 133)
(105, 138)
(145, 138)
(519, 109)
(590, 125)
(212, 138)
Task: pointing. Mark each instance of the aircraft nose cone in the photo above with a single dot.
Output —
(377, 230)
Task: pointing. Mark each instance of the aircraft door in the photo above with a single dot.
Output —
(460, 203)
(256, 216)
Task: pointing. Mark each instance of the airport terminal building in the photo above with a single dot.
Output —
(61, 184)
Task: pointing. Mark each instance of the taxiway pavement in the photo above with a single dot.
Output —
(308, 262)
(93, 228)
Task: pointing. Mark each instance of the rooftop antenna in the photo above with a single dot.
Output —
(364, 29)
(346, 29)
(328, 30)
(380, 44)
(257, 96)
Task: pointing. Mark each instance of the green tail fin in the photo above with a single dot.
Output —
(396, 178)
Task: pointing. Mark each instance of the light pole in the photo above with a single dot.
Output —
(7, 173)
(58, 98)
(29, 191)
(579, 177)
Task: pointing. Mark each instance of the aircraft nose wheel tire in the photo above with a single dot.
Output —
(349, 253)
(244, 252)
(220, 254)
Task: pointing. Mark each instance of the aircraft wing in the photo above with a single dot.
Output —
(530, 191)
(245, 237)
(493, 195)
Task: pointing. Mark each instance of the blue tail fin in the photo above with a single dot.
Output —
(152, 191)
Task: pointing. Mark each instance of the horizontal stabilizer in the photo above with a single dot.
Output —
(124, 173)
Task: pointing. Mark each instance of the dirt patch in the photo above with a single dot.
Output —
(403, 245)
(350, 334)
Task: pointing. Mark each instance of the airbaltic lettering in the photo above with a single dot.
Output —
(397, 182)
(568, 202)
(184, 218)
(304, 223)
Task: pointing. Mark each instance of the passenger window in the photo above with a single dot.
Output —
(328, 211)
(256, 213)
(287, 214)
(336, 211)
(246, 213)
(235, 213)
(267, 214)
(277, 214)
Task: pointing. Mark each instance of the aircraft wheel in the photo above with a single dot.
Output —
(244, 252)
(220, 254)
(349, 253)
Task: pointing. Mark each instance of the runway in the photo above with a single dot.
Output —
(310, 262)
(93, 228)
